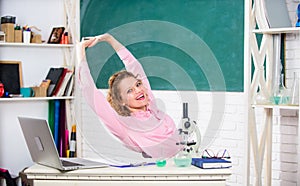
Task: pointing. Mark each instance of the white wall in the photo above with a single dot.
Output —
(285, 132)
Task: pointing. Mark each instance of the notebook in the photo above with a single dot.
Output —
(42, 148)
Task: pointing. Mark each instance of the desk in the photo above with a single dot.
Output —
(134, 176)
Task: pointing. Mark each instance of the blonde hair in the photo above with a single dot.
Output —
(114, 93)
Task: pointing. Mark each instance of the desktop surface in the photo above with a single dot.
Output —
(142, 175)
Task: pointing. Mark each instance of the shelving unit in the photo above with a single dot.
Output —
(38, 45)
(265, 57)
(277, 30)
(36, 99)
(290, 107)
(36, 61)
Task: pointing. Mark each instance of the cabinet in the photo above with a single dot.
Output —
(36, 60)
(264, 55)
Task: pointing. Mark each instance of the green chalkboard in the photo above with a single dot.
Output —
(182, 44)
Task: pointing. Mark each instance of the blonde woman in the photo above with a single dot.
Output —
(129, 111)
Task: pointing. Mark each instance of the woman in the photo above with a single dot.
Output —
(129, 111)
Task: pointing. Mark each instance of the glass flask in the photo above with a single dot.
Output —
(260, 98)
(280, 94)
(294, 95)
(183, 159)
(161, 162)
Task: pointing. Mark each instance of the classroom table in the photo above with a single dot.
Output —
(38, 175)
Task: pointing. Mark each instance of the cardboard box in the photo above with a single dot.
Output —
(8, 29)
(18, 36)
(37, 38)
(40, 91)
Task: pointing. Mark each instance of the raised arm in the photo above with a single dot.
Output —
(131, 63)
(95, 99)
(115, 44)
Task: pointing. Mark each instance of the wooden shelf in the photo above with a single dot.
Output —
(37, 45)
(277, 30)
(289, 107)
(35, 98)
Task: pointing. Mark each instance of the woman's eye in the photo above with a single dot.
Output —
(129, 91)
(139, 84)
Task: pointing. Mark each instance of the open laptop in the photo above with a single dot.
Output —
(42, 148)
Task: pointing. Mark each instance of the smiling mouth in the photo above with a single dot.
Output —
(140, 97)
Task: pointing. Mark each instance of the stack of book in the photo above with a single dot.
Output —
(61, 81)
(59, 120)
(211, 163)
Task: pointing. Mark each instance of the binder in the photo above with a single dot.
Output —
(62, 128)
(56, 122)
(51, 106)
(211, 163)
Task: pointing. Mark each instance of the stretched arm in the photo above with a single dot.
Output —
(115, 44)
(131, 63)
(95, 99)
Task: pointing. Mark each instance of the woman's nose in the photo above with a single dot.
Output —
(137, 89)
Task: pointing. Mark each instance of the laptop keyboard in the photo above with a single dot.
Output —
(68, 163)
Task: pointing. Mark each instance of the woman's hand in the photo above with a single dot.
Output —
(92, 41)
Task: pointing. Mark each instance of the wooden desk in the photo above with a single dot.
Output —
(134, 176)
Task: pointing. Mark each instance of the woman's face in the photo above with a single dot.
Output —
(134, 94)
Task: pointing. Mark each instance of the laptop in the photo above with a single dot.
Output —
(42, 148)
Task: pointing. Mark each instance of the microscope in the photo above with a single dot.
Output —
(188, 132)
(191, 137)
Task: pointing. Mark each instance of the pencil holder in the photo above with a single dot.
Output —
(26, 37)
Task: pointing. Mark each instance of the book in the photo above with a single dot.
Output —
(65, 81)
(54, 75)
(62, 128)
(45, 83)
(277, 14)
(60, 81)
(56, 122)
(51, 106)
(211, 163)
(70, 85)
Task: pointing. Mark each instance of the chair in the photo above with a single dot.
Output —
(4, 173)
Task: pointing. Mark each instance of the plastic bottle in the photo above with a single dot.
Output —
(66, 38)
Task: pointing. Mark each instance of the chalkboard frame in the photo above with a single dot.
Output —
(16, 80)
